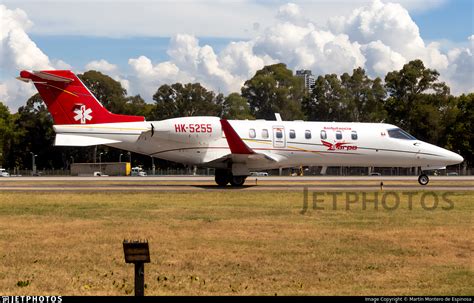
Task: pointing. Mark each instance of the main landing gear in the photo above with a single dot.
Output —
(224, 176)
(423, 179)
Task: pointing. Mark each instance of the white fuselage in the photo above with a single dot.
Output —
(201, 141)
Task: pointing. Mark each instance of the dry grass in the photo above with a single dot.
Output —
(226, 243)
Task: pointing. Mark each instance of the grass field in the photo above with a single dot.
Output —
(228, 243)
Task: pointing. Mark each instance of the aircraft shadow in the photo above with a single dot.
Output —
(214, 187)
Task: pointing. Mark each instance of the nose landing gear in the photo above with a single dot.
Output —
(423, 179)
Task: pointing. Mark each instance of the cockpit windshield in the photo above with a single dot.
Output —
(399, 133)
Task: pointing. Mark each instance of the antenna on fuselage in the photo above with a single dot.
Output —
(278, 117)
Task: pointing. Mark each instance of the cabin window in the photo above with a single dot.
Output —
(265, 133)
(292, 134)
(399, 133)
(307, 134)
(338, 135)
(279, 134)
(354, 135)
(252, 133)
(324, 135)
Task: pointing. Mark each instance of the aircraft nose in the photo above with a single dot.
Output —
(454, 158)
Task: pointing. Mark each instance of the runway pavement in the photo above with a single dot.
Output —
(211, 178)
(205, 183)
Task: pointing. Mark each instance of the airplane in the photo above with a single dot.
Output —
(233, 148)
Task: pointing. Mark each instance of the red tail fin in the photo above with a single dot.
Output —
(69, 101)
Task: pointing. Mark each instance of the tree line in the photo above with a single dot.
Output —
(412, 98)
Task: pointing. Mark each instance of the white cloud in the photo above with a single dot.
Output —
(148, 77)
(378, 36)
(14, 93)
(309, 48)
(381, 59)
(17, 52)
(60, 64)
(189, 63)
(102, 66)
(390, 24)
(109, 69)
(240, 60)
(290, 12)
(460, 74)
(143, 18)
(215, 18)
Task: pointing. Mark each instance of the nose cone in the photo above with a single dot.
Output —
(435, 156)
(454, 158)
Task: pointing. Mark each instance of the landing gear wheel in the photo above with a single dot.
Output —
(423, 179)
(222, 177)
(237, 180)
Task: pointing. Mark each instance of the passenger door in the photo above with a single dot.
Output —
(279, 138)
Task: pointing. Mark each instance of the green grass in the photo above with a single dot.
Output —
(232, 243)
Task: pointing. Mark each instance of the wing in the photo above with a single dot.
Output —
(240, 151)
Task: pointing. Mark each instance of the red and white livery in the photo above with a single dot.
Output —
(232, 147)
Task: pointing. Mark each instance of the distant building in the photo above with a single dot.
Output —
(309, 79)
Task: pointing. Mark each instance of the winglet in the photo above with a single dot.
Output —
(236, 145)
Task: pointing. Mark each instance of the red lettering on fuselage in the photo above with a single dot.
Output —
(193, 128)
(339, 146)
(179, 128)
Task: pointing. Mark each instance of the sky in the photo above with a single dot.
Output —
(222, 43)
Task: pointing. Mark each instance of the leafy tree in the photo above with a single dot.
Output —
(364, 97)
(327, 101)
(135, 105)
(191, 99)
(36, 135)
(7, 133)
(236, 107)
(274, 89)
(460, 137)
(355, 98)
(416, 100)
(108, 91)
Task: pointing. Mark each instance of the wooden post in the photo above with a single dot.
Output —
(139, 279)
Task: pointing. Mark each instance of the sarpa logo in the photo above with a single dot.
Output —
(83, 114)
(339, 145)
